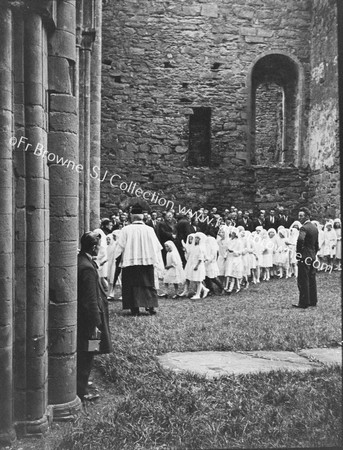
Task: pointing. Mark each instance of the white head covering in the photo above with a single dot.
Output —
(212, 247)
(296, 223)
(175, 254)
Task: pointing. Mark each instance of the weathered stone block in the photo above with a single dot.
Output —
(64, 122)
(191, 10)
(59, 75)
(62, 377)
(62, 315)
(209, 10)
(62, 341)
(66, 17)
(63, 44)
(63, 103)
(254, 39)
(265, 33)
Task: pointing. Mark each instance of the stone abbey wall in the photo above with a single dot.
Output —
(323, 142)
(164, 59)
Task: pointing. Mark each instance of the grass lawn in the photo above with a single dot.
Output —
(143, 406)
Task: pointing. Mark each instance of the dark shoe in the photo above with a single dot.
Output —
(312, 306)
(162, 295)
(298, 306)
(135, 312)
(152, 311)
(90, 397)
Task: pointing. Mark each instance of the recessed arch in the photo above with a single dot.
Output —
(282, 77)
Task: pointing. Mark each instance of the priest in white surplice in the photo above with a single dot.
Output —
(140, 252)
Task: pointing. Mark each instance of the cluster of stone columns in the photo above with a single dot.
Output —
(41, 178)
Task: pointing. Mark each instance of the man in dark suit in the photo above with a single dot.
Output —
(260, 221)
(153, 222)
(92, 313)
(307, 248)
(166, 232)
(246, 222)
(284, 217)
(183, 228)
(271, 220)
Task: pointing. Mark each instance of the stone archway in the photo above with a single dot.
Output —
(275, 88)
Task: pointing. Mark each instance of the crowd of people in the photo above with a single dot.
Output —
(148, 253)
(228, 250)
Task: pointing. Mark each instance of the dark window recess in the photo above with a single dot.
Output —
(107, 62)
(185, 85)
(199, 152)
(117, 79)
(185, 100)
(72, 75)
(215, 66)
(168, 65)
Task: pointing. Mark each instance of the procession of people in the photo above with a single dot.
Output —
(220, 254)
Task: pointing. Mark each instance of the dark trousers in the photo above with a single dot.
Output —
(307, 284)
(84, 367)
(117, 271)
(209, 284)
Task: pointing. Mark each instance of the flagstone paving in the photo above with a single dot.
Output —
(216, 364)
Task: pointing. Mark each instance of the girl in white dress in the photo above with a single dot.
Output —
(234, 262)
(292, 245)
(187, 246)
(222, 240)
(211, 265)
(174, 272)
(320, 254)
(338, 231)
(283, 252)
(245, 256)
(276, 259)
(197, 271)
(111, 264)
(330, 242)
(267, 255)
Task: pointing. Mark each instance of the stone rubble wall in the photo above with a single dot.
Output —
(323, 140)
(160, 59)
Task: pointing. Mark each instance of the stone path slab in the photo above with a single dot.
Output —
(326, 356)
(216, 364)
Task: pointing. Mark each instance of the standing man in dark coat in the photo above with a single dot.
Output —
(307, 248)
(284, 218)
(183, 229)
(246, 222)
(92, 313)
(271, 221)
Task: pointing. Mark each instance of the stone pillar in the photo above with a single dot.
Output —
(86, 21)
(95, 116)
(20, 222)
(64, 186)
(6, 221)
(37, 227)
(84, 136)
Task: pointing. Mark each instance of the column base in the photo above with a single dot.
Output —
(8, 437)
(65, 412)
(33, 427)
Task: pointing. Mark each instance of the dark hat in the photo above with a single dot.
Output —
(137, 209)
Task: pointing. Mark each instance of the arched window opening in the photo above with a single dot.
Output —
(274, 111)
(269, 124)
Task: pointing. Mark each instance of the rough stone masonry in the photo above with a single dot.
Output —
(215, 103)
